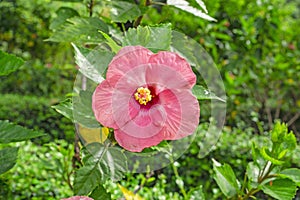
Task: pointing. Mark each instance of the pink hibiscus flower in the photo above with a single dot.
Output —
(147, 98)
(78, 198)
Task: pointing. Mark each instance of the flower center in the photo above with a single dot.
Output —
(143, 95)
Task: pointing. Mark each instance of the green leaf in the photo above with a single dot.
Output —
(255, 152)
(282, 153)
(204, 94)
(197, 56)
(281, 189)
(258, 160)
(100, 193)
(278, 132)
(86, 179)
(63, 14)
(80, 110)
(283, 142)
(101, 163)
(289, 141)
(70, 0)
(185, 47)
(266, 155)
(184, 5)
(81, 30)
(196, 194)
(14, 133)
(154, 38)
(92, 63)
(225, 179)
(292, 174)
(8, 158)
(202, 5)
(252, 171)
(65, 108)
(9, 63)
(111, 43)
(122, 11)
(111, 160)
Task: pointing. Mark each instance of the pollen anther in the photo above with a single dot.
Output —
(143, 95)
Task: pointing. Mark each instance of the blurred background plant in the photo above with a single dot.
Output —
(255, 45)
(42, 171)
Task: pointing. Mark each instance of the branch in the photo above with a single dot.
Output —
(139, 19)
(269, 115)
(76, 157)
(294, 118)
(90, 7)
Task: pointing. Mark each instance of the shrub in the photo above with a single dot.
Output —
(37, 79)
(41, 172)
(36, 113)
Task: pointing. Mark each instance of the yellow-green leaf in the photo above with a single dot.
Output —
(90, 135)
(129, 195)
(111, 43)
(266, 156)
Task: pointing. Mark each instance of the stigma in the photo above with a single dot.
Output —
(143, 95)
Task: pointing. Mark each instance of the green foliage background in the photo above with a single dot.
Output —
(256, 47)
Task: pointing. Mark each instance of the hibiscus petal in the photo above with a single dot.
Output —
(102, 104)
(173, 110)
(134, 144)
(164, 77)
(78, 198)
(116, 104)
(134, 119)
(182, 110)
(177, 63)
(148, 123)
(125, 107)
(126, 59)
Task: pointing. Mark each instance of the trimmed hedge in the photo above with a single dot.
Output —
(38, 79)
(36, 113)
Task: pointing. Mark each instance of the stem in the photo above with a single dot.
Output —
(262, 176)
(263, 173)
(139, 19)
(68, 174)
(181, 187)
(68, 180)
(269, 115)
(123, 28)
(294, 128)
(251, 193)
(148, 175)
(244, 183)
(148, 3)
(90, 7)
(76, 157)
(159, 3)
(294, 118)
(277, 112)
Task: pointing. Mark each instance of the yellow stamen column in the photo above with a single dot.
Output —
(143, 95)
